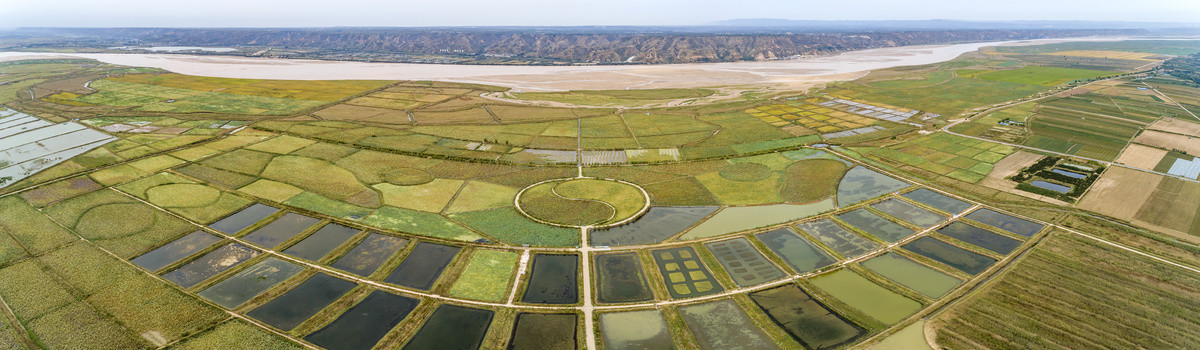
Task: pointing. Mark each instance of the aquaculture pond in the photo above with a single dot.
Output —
(242, 219)
(366, 257)
(644, 329)
(737, 219)
(553, 280)
(920, 278)
(298, 304)
(860, 184)
(1050, 186)
(320, 243)
(876, 225)
(178, 249)
(452, 327)
(252, 281)
(807, 320)
(621, 279)
(364, 324)
(1068, 173)
(544, 331)
(684, 274)
(981, 238)
(282, 229)
(937, 200)
(796, 251)
(946, 253)
(746, 265)
(722, 325)
(909, 213)
(656, 225)
(210, 264)
(863, 295)
(421, 268)
(1005, 222)
(841, 240)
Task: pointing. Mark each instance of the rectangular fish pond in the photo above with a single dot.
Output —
(722, 325)
(282, 229)
(320, 243)
(841, 240)
(909, 213)
(1046, 185)
(746, 265)
(1005, 222)
(656, 225)
(860, 184)
(876, 225)
(421, 268)
(798, 252)
(644, 329)
(554, 279)
(244, 218)
(620, 278)
(686, 276)
(863, 295)
(364, 324)
(544, 331)
(210, 264)
(946, 253)
(807, 320)
(980, 238)
(920, 278)
(251, 282)
(178, 249)
(937, 200)
(290, 309)
(452, 327)
(366, 257)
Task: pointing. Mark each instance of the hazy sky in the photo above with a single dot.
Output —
(320, 13)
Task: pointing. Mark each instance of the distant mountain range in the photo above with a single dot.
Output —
(942, 24)
(736, 40)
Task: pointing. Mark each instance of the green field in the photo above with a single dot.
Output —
(946, 155)
(1043, 76)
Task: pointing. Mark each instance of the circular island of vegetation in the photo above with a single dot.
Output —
(580, 202)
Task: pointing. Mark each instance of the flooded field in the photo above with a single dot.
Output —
(686, 276)
(421, 268)
(320, 243)
(860, 184)
(871, 299)
(621, 279)
(544, 331)
(178, 249)
(298, 304)
(746, 265)
(645, 329)
(807, 320)
(841, 240)
(366, 257)
(801, 255)
(723, 325)
(876, 225)
(251, 282)
(280, 230)
(656, 225)
(554, 279)
(237, 221)
(937, 200)
(364, 324)
(452, 327)
(1005, 222)
(920, 278)
(946, 253)
(909, 213)
(981, 238)
(210, 264)
(29, 144)
(735, 219)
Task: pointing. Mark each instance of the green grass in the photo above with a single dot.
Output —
(147, 305)
(479, 195)
(317, 203)
(318, 176)
(509, 226)
(32, 229)
(1043, 76)
(78, 326)
(959, 158)
(236, 333)
(614, 97)
(1071, 292)
(487, 276)
(429, 197)
(811, 180)
(31, 291)
(541, 202)
(626, 199)
(267, 189)
(419, 223)
(281, 144)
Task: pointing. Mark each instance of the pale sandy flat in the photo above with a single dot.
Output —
(1141, 157)
(1184, 143)
(1176, 126)
(1013, 164)
(1120, 192)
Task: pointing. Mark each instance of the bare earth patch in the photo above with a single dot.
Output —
(1010, 166)
(1186, 144)
(1176, 126)
(1120, 192)
(1141, 157)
